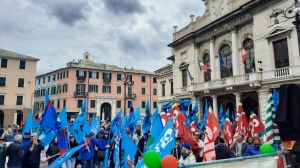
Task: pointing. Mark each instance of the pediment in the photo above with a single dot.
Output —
(183, 65)
(279, 31)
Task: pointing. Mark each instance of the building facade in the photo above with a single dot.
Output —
(238, 51)
(102, 85)
(17, 84)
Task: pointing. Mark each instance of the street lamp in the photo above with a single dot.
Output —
(125, 82)
(288, 14)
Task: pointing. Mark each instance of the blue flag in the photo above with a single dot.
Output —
(82, 116)
(61, 131)
(128, 146)
(146, 125)
(157, 125)
(60, 160)
(275, 99)
(223, 119)
(62, 118)
(46, 135)
(203, 123)
(166, 141)
(137, 114)
(221, 113)
(221, 59)
(116, 123)
(49, 118)
(95, 126)
(195, 109)
(29, 124)
(117, 152)
(105, 163)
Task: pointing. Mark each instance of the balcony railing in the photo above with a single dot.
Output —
(81, 78)
(281, 73)
(131, 96)
(80, 94)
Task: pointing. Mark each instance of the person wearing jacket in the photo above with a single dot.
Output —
(53, 151)
(102, 145)
(15, 153)
(222, 151)
(187, 155)
(3, 149)
(176, 151)
(33, 152)
(253, 149)
(24, 145)
(239, 147)
(72, 160)
(87, 152)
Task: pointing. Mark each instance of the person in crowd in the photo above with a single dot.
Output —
(141, 145)
(26, 140)
(253, 149)
(33, 152)
(239, 147)
(176, 151)
(71, 162)
(102, 145)
(137, 136)
(9, 135)
(222, 151)
(249, 141)
(201, 139)
(187, 155)
(52, 152)
(15, 153)
(3, 150)
(87, 152)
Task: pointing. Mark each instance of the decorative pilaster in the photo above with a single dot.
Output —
(263, 103)
(235, 55)
(212, 59)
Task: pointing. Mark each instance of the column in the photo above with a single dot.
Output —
(215, 106)
(212, 59)
(263, 103)
(235, 55)
(237, 101)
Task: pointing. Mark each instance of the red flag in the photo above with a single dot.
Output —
(256, 126)
(164, 118)
(211, 133)
(241, 126)
(227, 131)
(244, 55)
(181, 130)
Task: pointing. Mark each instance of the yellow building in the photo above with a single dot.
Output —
(17, 83)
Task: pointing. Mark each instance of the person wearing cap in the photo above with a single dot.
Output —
(15, 153)
(222, 151)
(102, 145)
(3, 150)
(87, 152)
(72, 160)
(253, 149)
(33, 152)
(187, 155)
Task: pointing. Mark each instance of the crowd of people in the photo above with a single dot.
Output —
(25, 151)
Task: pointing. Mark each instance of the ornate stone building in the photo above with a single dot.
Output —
(219, 39)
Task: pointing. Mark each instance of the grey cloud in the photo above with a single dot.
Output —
(120, 7)
(67, 11)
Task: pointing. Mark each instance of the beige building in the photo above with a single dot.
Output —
(219, 39)
(17, 84)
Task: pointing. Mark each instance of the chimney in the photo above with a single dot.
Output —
(192, 18)
(86, 56)
(175, 29)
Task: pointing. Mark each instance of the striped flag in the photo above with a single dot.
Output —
(272, 131)
(212, 132)
(203, 67)
(244, 55)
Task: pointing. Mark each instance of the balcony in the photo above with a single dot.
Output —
(131, 96)
(80, 94)
(80, 78)
(281, 74)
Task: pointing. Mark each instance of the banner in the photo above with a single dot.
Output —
(243, 162)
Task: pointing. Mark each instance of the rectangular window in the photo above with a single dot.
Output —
(106, 89)
(58, 104)
(64, 74)
(39, 81)
(49, 78)
(54, 77)
(163, 89)
(106, 77)
(172, 88)
(44, 80)
(67, 74)
(93, 88)
(2, 98)
(129, 92)
(118, 103)
(119, 89)
(65, 103)
(281, 53)
(143, 91)
(79, 103)
(2, 81)
(3, 63)
(22, 64)
(184, 77)
(143, 78)
(154, 80)
(19, 100)
(129, 78)
(154, 104)
(143, 104)
(154, 91)
(21, 82)
(93, 104)
(119, 77)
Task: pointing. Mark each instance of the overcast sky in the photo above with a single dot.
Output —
(132, 33)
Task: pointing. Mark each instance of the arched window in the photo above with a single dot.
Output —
(249, 59)
(225, 61)
(206, 62)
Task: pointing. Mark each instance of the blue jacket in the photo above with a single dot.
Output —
(252, 150)
(102, 143)
(88, 154)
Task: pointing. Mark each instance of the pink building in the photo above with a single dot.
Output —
(101, 84)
